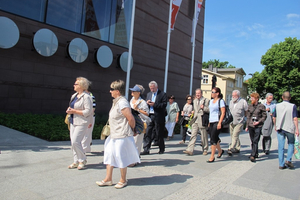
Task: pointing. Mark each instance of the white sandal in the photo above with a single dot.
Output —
(82, 165)
(120, 185)
(103, 183)
(73, 166)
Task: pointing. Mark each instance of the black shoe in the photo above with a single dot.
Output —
(289, 164)
(210, 161)
(284, 167)
(267, 152)
(145, 153)
(155, 144)
(235, 151)
(252, 159)
(161, 152)
(229, 152)
(221, 154)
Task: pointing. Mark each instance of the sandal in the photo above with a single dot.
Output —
(181, 142)
(73, 166)
(120, 185)
(82, 165)
(103, 183)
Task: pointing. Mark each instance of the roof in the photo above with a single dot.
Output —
(231, 70)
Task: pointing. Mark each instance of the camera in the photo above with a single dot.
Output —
(254, 119)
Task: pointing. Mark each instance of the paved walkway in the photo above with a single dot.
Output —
(32, 168)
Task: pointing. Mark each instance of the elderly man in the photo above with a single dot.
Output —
(286, 124)
(200, 107)
(268, 125)
(238, 108)
(157, 102)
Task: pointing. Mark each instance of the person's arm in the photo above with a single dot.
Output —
(127, 113)
(296, 125)
(222, 116)
(177, 117)
(206, 107)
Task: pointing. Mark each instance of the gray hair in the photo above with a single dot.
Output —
(237, 92)
(153, 83)
(269, 94)
(83, 82)
(198, 89)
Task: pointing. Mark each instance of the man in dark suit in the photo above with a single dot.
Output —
(157, 102)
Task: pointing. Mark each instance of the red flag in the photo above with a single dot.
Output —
(175, 8)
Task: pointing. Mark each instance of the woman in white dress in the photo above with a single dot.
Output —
(119, 147)
(173, 115)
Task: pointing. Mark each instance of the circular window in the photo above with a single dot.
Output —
(104, 56)
(9, 33)
(45, 42)
(78, 50)
(123, 61)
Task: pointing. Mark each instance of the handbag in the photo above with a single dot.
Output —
(297, 148)
(139, 124)
(181, 121)
(205, 117)
(228, 116)
(67, 120)
(105, 131)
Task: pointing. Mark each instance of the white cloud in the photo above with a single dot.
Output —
(292, 15)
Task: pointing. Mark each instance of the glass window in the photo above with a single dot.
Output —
(65, 14)
(96, 19)
(33, 9)
(120, 22)
(205, 79)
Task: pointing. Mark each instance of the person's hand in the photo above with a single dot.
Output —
(255, 123)
(267, 109)
(176, 120)
(219, 126)
(297, 132)
(70, 110)
(90, 125)
(150, 103)
(246, 129)
(202, 106)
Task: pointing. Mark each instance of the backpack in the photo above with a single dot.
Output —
(228, 116)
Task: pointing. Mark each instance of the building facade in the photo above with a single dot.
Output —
(40, 80)
(228, 79)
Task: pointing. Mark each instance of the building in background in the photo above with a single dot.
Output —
(228, 79)
(61, 40)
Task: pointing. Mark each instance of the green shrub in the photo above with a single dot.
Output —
(45, 126)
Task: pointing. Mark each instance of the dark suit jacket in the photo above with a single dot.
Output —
(159, 105)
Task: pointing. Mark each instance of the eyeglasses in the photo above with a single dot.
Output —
(213, 92)
(76, 84)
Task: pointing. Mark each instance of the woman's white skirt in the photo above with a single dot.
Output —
(170, 127)
(120, 152)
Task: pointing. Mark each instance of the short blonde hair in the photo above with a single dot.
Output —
(141, 88)
(118, 85)
(83, 82)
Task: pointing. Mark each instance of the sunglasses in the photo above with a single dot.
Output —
(189, 99)
(76, 84)
(111, 89)
(213, 92)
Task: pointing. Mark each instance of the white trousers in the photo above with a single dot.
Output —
(170, 127)
(87, 139)
(76, 135)
(138, 139)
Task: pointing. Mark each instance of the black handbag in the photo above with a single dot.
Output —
(205, 117)
(228, 116)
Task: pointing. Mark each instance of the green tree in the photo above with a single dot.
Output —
(217, 64)
(257, 83)
(281, 72)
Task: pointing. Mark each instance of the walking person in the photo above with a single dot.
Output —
(119, 148)
(268, 124)
(186, 114)
(139, 105)
(238, 108)
(200, 105)
(286, 124)
(172, 116)
(256, 116)
(81, 116)
(216, 116)
(157, 102)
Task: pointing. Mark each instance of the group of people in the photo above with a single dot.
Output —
(124, 145)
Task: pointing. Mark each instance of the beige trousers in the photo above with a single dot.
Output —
(193, 138)
(76, 134)
(138, 139)
(235, 131)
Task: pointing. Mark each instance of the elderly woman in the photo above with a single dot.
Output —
(119, 147)
(216, 117)
(81, 116)
(172, 117)
(140, 106)
(256, 116)
(186, 114)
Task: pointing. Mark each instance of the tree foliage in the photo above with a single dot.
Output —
(217, 64)
(281, 72)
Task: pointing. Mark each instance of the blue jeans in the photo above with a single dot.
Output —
(281, 134)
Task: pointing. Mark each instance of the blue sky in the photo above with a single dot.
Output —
(241, 31)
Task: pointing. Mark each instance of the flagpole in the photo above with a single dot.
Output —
(130, 49)
(193, 45)
(168, 48)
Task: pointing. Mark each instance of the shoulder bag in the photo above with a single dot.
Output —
(205, 117)
(105, 131)
(228, 116)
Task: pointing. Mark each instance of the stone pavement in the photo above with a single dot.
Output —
(32, 168)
